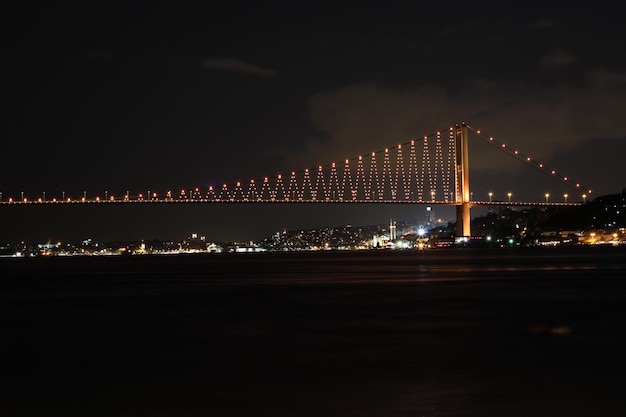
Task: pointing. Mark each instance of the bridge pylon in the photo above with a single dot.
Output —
(463, 200)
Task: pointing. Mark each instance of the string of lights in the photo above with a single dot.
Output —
(531, 162)
(405, 180)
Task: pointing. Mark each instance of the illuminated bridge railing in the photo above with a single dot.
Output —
(194, 197)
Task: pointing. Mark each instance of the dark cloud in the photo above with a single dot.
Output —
(366, 117)
(546, 23)
(558, 59)
(237, 65)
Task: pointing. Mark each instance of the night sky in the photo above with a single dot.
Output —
(163, 95)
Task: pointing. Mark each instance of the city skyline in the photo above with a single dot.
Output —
(177, 95)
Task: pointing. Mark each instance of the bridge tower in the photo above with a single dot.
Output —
(462, 181)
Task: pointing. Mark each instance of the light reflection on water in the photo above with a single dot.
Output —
(442, 333)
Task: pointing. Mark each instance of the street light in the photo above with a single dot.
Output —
(584, 198)
(565, 197)
(509, 195)
(432, 196)
(547, 196)
(490, 195)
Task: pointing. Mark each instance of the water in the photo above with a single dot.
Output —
(450, 332)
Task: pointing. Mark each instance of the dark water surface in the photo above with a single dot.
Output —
(450, 332)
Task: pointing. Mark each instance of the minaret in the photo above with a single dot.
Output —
(392, 230)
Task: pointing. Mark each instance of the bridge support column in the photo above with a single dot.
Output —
(463, 220)
(463, 199)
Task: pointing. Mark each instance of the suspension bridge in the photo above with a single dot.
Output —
(430, 170)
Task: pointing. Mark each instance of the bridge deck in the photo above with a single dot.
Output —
(277, 201)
